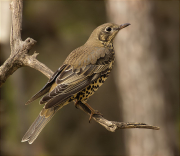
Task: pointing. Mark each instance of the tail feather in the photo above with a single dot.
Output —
(43, 118)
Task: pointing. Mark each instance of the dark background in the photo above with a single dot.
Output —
(61, 26)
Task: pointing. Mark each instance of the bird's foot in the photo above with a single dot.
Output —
(94, 112)
(91, 111)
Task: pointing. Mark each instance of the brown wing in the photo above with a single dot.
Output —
(71, 81)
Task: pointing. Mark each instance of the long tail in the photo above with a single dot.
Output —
(43, 118)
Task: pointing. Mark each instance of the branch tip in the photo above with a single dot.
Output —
(35, 54)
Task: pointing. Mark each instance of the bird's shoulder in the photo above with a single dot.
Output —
(87, 54)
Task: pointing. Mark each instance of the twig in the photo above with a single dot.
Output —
(19, 57)
(112, 126)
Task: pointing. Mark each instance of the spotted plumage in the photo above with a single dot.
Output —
(82, 73)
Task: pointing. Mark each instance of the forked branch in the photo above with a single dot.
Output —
(19, 56)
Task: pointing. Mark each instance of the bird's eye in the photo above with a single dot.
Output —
(108, 29)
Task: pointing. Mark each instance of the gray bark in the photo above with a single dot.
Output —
(147, 63)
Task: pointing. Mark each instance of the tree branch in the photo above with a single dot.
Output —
(16, 7)
(31, 61)
(19, 57)
(19, 49)
(112, 126)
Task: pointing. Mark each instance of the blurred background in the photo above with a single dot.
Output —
(143, 86)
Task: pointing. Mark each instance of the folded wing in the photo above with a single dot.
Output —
(71, 81)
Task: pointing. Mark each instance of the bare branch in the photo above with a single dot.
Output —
(112, 126)
(19, 49)
(32, 62)
(16, 7)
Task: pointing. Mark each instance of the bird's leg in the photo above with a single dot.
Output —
(92, 111)
(88, 109)
(76, 103)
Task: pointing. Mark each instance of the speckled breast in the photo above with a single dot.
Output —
(88, 91)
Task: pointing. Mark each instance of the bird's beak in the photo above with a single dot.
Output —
(124, 25)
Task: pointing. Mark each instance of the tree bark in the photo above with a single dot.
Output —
(147, 76)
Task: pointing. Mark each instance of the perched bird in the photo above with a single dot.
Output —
(82, 73)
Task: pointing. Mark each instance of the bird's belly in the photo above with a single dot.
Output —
(90, 90)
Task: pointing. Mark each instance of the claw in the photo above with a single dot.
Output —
(90, 117)
(94, 112)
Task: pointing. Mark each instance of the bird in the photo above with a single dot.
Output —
(82, 73)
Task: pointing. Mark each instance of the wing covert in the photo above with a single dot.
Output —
(71, 81)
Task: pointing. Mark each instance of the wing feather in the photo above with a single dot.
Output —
(70, 82)
(47, 87)
(61, 98)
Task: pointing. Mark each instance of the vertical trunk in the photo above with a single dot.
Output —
(147, 64)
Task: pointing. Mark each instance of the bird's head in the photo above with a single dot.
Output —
(106, 33)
